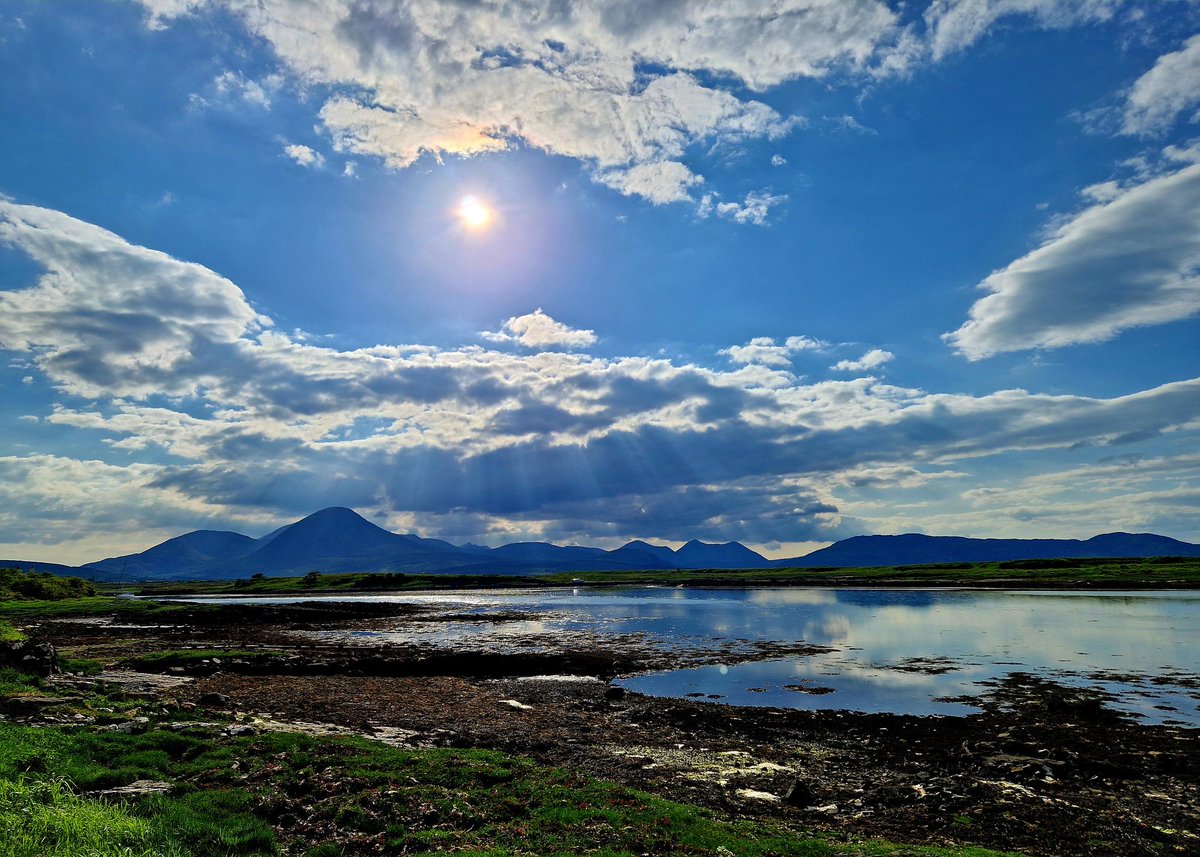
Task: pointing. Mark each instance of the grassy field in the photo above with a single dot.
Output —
(1159, 572)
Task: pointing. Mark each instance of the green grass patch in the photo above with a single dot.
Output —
(15, 683)
(46, 818)
(96, 605)
(81, 666)
(9, 634)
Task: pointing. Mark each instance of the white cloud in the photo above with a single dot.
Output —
(76, 511)
(778, 160)
(1157, 494)
(304, 156)
(954, 25)
(108, 317)
(249, 91)
(659, 182)
(754, 209)
(538, 330)
(848, 124)
(633, 91)
(765, 351)
(350, 169)
(873, 359)
(625, 89)
(1161, 94)
(1130, 261)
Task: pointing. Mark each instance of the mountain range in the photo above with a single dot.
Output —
(340, 540)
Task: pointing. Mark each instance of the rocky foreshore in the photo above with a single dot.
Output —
(1041, 768)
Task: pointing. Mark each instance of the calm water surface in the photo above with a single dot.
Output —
(891, 650)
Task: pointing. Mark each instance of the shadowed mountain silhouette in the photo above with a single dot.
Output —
(919, 549)
(697, 554)
(340, 540)
(192, 552)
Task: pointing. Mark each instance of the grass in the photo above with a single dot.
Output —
(337, 796)
(1153, 572)
(16, 683)
(46, 818)
(1138, 572)
(81, 666)
(97, 605)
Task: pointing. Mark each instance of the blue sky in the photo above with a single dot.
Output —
(777, 274)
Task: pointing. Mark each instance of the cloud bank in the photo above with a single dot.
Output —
(212, 413)
(628, 90)
(1131, 259)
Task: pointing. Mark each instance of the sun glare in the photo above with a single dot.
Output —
(474, 213)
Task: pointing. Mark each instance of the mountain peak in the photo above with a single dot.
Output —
(698, 554)
(333, 531)
(334, 513)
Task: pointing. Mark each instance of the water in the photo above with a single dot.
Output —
(900, 651)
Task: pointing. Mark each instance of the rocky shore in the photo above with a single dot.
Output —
(1041, 769)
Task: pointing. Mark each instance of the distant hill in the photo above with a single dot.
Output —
(186, 554)
(696, 554)
(918, 549)
(340, 540)
(34, 565)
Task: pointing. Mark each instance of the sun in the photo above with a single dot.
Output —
(473, 212)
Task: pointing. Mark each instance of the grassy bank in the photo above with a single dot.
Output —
(323, 797)
(1151, 573)
(1165, 572)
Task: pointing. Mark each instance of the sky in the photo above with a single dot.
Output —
(781, 272)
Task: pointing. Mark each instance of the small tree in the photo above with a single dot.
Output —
(312, 578)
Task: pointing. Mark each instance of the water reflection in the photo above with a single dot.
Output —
(900, 650)
(896, 650)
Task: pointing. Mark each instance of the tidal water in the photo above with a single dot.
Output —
(900, 651)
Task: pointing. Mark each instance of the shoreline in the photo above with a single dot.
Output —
(1041, 768)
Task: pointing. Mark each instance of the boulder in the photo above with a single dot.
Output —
(29, 656)
(800, 794)
(25, 705)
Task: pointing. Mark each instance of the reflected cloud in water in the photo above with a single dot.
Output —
(897, 650)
